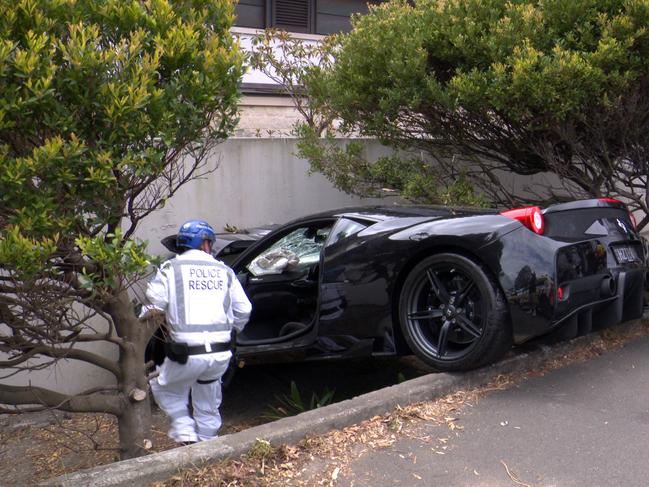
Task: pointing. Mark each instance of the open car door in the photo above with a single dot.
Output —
(281, 279)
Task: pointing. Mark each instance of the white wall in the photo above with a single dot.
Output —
(259, 181)
(66, 376)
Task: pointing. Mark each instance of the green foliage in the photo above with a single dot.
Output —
(112, 255)
(107, 107)
(524, 58)
(344, 164)
(498, 86)
(418, 181)
(292, 404)
(29, 255)
(347, 166)
(100, 103)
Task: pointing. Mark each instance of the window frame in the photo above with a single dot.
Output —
(311, 27)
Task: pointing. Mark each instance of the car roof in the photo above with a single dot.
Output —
(388, 212)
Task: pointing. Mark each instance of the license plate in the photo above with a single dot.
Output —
(625, 254)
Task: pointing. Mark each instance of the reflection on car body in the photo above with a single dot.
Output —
(455, 286)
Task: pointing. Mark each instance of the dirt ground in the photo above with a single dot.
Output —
(39, 446)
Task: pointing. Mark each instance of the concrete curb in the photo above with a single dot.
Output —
(160, 466)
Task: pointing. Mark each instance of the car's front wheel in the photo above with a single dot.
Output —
(453, 314)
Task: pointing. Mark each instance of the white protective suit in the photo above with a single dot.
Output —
(203, 301)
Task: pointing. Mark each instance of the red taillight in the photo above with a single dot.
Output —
(560, 294)
(610, 200)
(530, 216)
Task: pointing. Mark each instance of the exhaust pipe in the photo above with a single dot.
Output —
(607, 287)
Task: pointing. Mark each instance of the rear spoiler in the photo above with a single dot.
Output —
(582, 204)
(593, 203)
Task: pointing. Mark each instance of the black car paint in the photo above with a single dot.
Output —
(370, 291)
(360, 276)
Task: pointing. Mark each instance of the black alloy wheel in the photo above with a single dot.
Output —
(453, 314)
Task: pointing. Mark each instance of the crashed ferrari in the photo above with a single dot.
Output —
(457, 287)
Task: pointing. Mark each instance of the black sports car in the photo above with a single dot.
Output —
(457, 287)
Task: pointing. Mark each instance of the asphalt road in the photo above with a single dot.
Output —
(583, 425)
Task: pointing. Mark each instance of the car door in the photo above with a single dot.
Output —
(281, 278)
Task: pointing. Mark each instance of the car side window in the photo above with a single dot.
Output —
(344, 228)
(295, 251)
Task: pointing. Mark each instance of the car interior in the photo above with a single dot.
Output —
(281, 281)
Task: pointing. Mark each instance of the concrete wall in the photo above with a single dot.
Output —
(258, 181)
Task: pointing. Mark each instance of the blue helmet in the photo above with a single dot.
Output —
(193, 232)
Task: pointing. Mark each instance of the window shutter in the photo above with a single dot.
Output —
(292, 15)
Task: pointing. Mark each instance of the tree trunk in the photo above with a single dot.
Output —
(135, 419)
(135, 429)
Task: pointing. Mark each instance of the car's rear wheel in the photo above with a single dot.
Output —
(453, 314)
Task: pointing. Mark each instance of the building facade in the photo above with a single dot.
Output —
(320, 17)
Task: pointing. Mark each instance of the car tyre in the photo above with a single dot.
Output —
(453, 314)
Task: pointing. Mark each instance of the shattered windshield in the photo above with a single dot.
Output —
(297, 250)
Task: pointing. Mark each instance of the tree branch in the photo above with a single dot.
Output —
(89, 403)
(32, 351)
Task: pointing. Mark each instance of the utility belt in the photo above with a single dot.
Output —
(180, 352)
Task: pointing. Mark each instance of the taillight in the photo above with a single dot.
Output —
(633, 220)
(530, 216)
(610, 200)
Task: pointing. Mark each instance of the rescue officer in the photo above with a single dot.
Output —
(203, 301)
